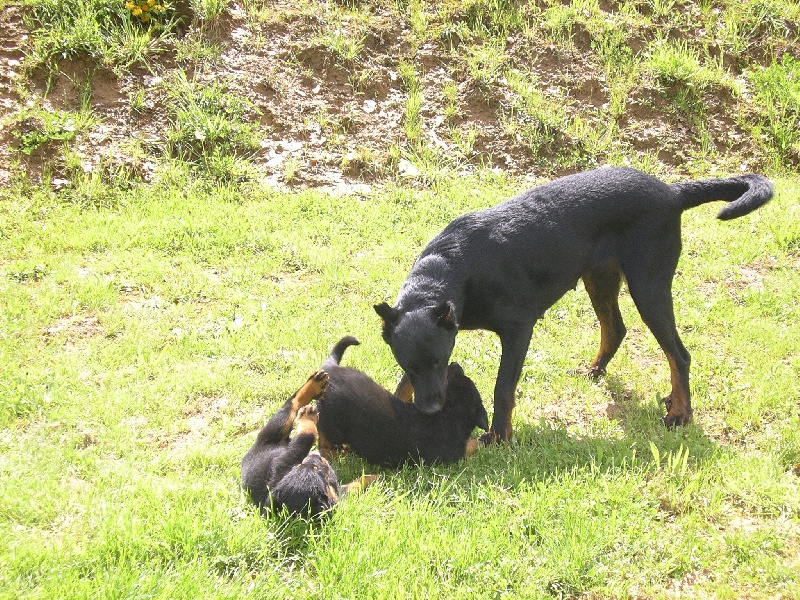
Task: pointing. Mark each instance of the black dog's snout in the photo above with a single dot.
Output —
(430, 407)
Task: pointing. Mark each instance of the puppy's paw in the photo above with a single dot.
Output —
(317, 381)
(313, 388)
(359, 484)
(308, 413)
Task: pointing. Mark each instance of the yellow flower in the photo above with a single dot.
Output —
(136, 11)
(145, 8)
(129, 5)
(145, 18)
(151, 2)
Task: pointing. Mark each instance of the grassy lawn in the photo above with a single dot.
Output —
(144, 342)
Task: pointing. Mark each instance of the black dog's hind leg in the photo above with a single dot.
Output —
(603, 285)
(649, 279)
(279, 426)
(515, 342)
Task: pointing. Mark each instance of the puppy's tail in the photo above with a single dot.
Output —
(335, 356)
(744, 194)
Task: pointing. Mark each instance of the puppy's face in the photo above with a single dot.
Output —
(316, 462)
(461, 392)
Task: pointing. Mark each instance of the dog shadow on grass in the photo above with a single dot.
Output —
(627, 433)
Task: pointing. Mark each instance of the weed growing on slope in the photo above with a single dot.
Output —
(209, 128)
(778, 89)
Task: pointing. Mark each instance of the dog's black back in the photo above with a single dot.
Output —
(358, 412)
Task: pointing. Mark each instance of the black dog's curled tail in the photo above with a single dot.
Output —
(337, 352)
(744, 194)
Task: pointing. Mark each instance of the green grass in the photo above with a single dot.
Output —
(143, 344)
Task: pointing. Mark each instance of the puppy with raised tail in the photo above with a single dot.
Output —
(388, 430)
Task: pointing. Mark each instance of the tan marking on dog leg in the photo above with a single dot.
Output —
(325, 448)
(472, 447)
(313, 388)
(603, 289)
(359, 484)
(678, 403)
(307, 418)
(286, 429)
(332, 495)
(405, 391)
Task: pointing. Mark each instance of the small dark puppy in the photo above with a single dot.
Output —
(278, 472)
(383, 429)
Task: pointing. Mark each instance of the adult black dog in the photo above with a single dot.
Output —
(278, 472)
(500, 268)
(384, 429)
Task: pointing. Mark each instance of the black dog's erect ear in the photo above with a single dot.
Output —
(445, 315)
(389, 315)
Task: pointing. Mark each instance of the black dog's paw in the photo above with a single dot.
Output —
(596, 372)
(675, 418)
(673, 421)
(489, 438)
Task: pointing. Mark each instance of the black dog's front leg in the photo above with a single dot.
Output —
(515, 343)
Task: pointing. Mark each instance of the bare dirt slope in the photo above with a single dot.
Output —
(329, 121)
(13, 38)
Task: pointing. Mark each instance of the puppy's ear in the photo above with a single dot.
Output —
(445, 316)
(390, 317)
(454, 370)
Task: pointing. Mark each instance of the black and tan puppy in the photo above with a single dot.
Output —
(280, 472)
(383, 429)
(501, 268)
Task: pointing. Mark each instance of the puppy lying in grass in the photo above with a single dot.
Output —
(278, 472)
(385, 430)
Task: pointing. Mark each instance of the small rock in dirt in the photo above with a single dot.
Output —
(293, 146)
(407, 169)
(276, 162)
(60, 184)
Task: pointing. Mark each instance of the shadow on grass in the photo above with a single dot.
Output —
(546, 449)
